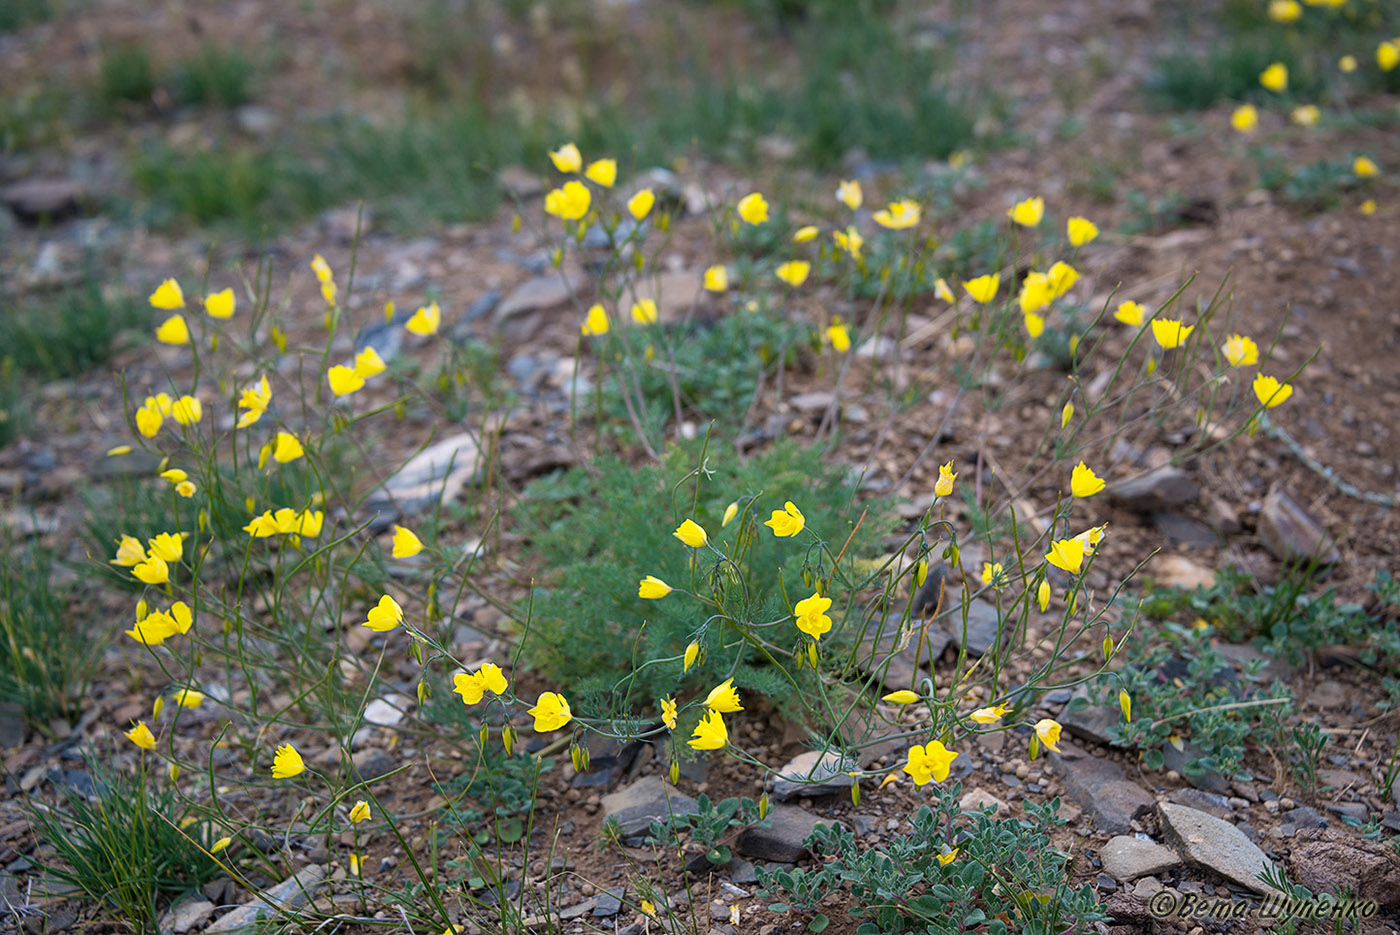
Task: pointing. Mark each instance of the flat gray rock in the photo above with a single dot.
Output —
(548, 290)
(648, 799)
(1101, 789)
(1291, 533)
(1156, 490)
(980, 634)
(1206, 841)
(286, 897)
(890, 641)
(436, 474)
(789, 827)
(813, 773)
(1125, 858)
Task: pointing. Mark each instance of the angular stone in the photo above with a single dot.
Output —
(544, 292)
(436, 474)
(1156, 490)
(1209, 780)
(1206, 841)
(1175, 571)
(813, 773)
(1291, 533)
(889, 640)
(1327, 861)
(644, 801)
(1208, 802)
(983, 624)
(286, 898)
(42, 199)
(978, 799)
(1126, 858)
(609, 903)
(520, 183)
(1100, 786)
(186, 914)
(789, 827)
(1090, 721)
(676, 293)
(609, 759)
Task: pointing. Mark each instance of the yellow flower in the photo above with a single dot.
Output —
(724, 698)
(385, 615)
(900, 215)
(153, 570)
(1067, 555)
(1368, 206)
(989, 715)
(220, 844)
(1270, 392)
(1365, 168)
(153, 630)
(1062, 278)
(1347, 64)
(188, 698)
(1275, 77)
(1042, 595)
(930, 761)
(602, 172)
(849, 194)
(716, 279)
(1388, 55)
(984, 288)
(344, 380)
(1048, 730)
(570, 202)
(1169, 333)
(1081, 230)
(903, 696)
(839, 337)
(710, 733)
(1125, 702)
(948, 858)
(255, 399)
(595, 322)
(474, 686)
(1083, 482)
(753, 209)
(260, 527)
(566, 158)
(1240, 351)
(1285, 11)
(220, 304)
(1028, 213)
(640, 204)
(668, 713)
(287, 448)
(116, 451)
(310, 522)
(730, 512)
(287, 762)
(1066, 414)
(550, 712)
(653, 588)
(328, 291)
(427, 319)
(169, 546)
(368, 364)
(1131, 313)
(994, 574)
(794, 272)
(168, 296)
(811, 615)
(129, 552)
(406, 544)
(1035, 325)
(360, 812)
(691, 533)
(1245, 118)
(181, 617)
(1036, 293)
(1306, 115)
(943, 291)
(141, 736)
(644, 312)
(849, 240)
(804, 234)
(173, 331)
(944, 486)
(322, 269)
(788, 521)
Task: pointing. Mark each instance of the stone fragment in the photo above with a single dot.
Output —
(1156, 490)
(38, 200)
(1206, 841)
(436, 474)
(546, 291)
(894, 641)
(285, 898)
(782, 840)
(1329, 861)
(648, 799)
(1291, 533)
(1126, 858)
(812, 774)
(1176, 571)
(982, 627)
(1101, 788)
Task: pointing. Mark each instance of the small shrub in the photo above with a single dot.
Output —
(216, 76)
(17, 14)
(70, 332)
(125, 76)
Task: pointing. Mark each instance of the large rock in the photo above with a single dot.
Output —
(1126, 858)
(1102, 789)
(889, 640)
(1089, 721)
(788, 827)
(1208, 842)
(982, 627)
(1156, 490)
(644, 801)
(813, 773)
(1291, 533)
(284, 898)
(546, 291)
(1328, 861)
(436, 474)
